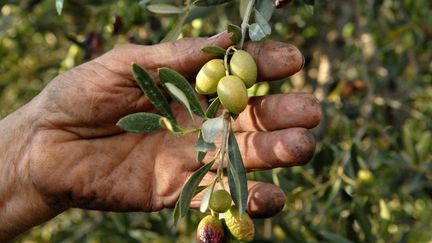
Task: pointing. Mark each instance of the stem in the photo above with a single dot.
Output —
(245, 22)
(223, 148)
(226, 59)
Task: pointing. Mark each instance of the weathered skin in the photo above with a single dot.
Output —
(243, 66)
(232, 93)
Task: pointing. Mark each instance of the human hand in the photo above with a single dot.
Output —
(78, 157)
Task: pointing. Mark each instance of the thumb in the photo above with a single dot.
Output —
(184, 55)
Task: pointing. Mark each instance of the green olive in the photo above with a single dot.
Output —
(209, 76)
(243, 66)
(220, 201)
(232, 94)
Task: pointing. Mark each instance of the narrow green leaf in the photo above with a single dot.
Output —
(256, 33)
(206, 198)
(203, 146)
(174, 33)
(176, 212)
(163, 8)
(364, 222)
(211, 129)
(214, 50)
(213, 108)
(188, 190)
(332, 237)
(262, 22)
(151, 90)
(423, 146)
(266, 8)
(200, 156)
(167, 75)
(237, 175)
(180, 96)
(59, 6)
(236, 33)
(204, 3)
(140, 122)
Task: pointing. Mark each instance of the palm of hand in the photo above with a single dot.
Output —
(107, 169)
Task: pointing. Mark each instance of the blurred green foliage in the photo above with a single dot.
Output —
(369, 63)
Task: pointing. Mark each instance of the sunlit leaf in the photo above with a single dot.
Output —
(140, 122)
(211, 129)
(237, 175)
(236, 33)
(59, 6)
(163, 8)
(188, 191)
(179, 96)
(167, 75)
(214, 50)
(151, 90)
(206, 198)
(210, 2)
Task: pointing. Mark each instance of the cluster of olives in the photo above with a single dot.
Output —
(231, 89)
(210, 228)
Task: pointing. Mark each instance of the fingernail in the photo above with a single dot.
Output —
(217, 35)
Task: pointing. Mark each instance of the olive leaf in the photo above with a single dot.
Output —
(237, 180)
(266, 8)
(59, 6)
(203, 3)
(174, 33)
(151, 90)
(236, 33)
(262, 22)
(189, 189)
(256, 33)
(214, 50)
(203, 146)
(180, 96)
(206, 198)
(163, 8)
(140, 122)
(167, 75)
(211, 129)
(213, 108)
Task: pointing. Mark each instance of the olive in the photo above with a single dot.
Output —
(210, 230)
(232, 94)
(243, 66)
(220, 201)
(242, 228)
(209, 76)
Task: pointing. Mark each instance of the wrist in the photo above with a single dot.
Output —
(21, 205)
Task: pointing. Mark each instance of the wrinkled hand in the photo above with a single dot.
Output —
(80, 158)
